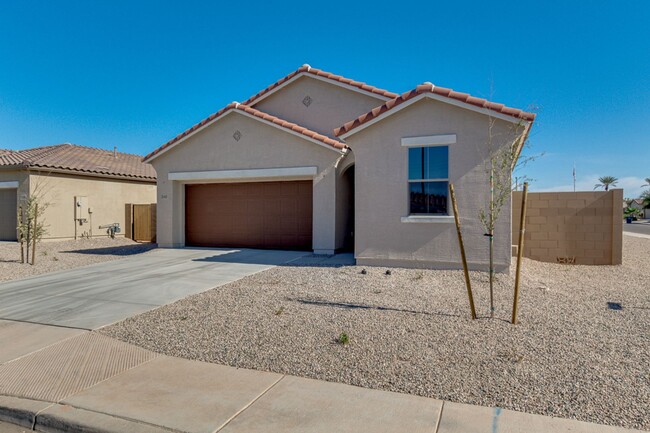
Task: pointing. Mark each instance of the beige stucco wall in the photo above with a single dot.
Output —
(581, 227)
(106, 199)
(261, 146)
(331, 105)
(16, 175)
(382, 190)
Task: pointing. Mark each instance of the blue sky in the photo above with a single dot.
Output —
(135, 74)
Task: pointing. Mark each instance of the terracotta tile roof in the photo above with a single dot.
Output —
(430, 88)
(254, 112)
(306, 69)
(74, 158)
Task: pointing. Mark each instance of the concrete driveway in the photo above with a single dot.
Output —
(94, 296)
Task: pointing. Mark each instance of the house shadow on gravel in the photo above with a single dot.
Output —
(120, 250)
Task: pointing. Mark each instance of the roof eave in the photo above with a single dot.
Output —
(255, 99)
(342, 133)
(232, 108)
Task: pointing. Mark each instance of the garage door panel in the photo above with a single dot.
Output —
(254, 215)
(8, 219)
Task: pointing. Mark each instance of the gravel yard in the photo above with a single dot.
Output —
(59, 255)
(571, 356)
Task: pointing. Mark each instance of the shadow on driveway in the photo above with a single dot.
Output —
(121, 250)
(278, 258)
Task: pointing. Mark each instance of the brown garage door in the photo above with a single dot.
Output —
(8, 219)
(276, 215)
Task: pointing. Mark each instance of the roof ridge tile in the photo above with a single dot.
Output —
(442, 91)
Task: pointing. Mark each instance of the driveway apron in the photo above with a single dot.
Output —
(98, 295)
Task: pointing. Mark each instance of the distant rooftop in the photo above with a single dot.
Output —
(81, 159)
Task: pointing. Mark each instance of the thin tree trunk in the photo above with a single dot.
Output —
(491, 236)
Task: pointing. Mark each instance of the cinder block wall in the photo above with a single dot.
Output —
(564, 226)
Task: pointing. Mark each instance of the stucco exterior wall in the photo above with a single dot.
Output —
(260, 146)
(382, 196)
(331, 105)
(583, 228)
(106, 199)
(16, 175)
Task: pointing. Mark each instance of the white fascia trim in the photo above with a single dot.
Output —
(11, 184)
(435, 97)
(431, 140)
(427, 219)
(257, 173)
(287, 130)
(324, 79)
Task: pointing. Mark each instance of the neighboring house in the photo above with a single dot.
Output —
(638, 204)
(85, 188)
(320, 162)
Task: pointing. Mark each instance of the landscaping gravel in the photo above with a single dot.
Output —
(59, 255)
(572, 355)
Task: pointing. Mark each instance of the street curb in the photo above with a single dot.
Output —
(20, 411)
(47, 417)
(60, 418)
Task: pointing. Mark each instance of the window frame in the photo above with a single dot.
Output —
(421, 142)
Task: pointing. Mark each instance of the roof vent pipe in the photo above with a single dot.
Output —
(114, 151)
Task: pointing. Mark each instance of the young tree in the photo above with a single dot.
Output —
(502, 158)
(606, 182)
(31, 222)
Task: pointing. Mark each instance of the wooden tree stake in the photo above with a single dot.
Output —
(462, 251)
(520, 251)
(22, 239)
(34, 235)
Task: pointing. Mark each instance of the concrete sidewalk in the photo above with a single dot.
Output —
(93, 383)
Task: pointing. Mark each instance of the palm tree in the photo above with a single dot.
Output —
(606, 182)
(645, 195)
(647, 182)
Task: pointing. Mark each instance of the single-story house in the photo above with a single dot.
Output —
(639, 205)
(84, 187)
(324, 163)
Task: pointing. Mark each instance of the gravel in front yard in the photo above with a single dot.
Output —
(59, 255)
(571, 355)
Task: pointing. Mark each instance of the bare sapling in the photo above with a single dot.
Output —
(31, 222)
(503, 150)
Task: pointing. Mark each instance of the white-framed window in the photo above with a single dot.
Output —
(428, 174)
(428, 180)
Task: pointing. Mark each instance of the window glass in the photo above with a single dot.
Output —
(428, 197)
(428, 162)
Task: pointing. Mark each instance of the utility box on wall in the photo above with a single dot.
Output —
(81, 208)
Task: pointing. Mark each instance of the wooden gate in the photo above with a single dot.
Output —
(141, 222)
